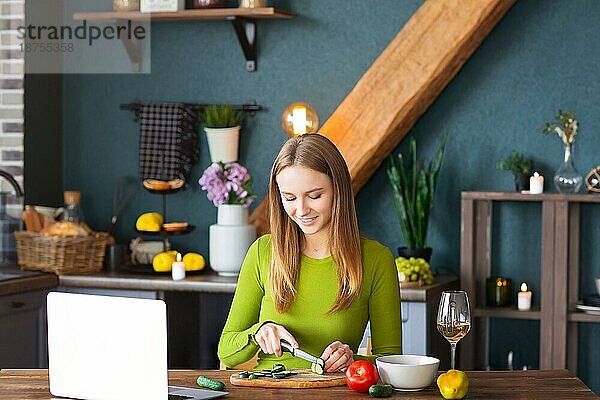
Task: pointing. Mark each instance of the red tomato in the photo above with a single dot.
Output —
(360, 375)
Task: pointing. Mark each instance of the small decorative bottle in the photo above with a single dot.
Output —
(72, 211)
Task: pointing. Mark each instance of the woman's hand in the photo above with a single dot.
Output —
(269, 335)
(337, 356)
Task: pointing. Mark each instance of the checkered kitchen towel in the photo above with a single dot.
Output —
(168, 141)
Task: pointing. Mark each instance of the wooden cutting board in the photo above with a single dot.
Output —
(304, 379)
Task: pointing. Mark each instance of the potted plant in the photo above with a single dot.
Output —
(229, 187)
(222, 124)
(413, 190)
(520, 167)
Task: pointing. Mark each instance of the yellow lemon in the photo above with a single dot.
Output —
(453, 384)
(193, 262)
(149, 222)
(162, 262)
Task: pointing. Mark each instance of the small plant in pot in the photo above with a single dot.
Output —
(222, 124)
(520, 167)
(413, 189)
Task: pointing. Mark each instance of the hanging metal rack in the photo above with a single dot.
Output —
(250, 108)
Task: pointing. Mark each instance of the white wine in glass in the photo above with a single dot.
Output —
(454, 318)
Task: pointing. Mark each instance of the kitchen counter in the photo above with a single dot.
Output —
(208, 282)
(13, 280)
(541, 385)
(212, 283)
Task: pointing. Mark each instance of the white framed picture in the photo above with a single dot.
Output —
(161, 5)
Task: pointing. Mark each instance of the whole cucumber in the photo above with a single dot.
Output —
(380, 390)
(208, 383)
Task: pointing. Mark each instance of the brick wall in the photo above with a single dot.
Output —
(11, 91)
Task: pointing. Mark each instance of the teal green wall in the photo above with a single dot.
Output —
(542, 56)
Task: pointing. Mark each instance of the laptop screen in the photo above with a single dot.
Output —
(102, 347)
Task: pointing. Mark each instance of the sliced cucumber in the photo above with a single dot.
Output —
(318, 367)
(277, 368)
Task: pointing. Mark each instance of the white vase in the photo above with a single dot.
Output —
(223, 143)
(230, 239)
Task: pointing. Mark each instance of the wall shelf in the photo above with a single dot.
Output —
(577, 316)
(187, 15)
(506, 312)
(559, 270)
(242, 19)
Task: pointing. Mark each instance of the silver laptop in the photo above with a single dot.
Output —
(111, 348)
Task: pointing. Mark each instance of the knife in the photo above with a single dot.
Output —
(296, 352)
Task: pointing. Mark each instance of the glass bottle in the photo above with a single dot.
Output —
(72, 212)
(567, 179)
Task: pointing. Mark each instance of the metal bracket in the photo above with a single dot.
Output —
(133, 47)
(245, 30)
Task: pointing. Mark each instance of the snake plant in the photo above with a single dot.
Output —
(221, 116)
(413, 190)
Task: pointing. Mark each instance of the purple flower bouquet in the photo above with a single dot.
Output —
(227, 184)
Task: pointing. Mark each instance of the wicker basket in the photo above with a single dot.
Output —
(60, 255)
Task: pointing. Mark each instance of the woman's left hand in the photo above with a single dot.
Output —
(337, 356)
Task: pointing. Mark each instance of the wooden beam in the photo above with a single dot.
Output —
(403, 82)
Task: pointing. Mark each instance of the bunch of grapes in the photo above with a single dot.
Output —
(413, 270)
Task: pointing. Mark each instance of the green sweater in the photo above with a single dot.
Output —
(307, 319)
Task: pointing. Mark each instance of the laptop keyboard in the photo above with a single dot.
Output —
(178, 397)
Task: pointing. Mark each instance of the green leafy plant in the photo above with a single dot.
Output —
(413, 190)
(517, 164)
(221, 116)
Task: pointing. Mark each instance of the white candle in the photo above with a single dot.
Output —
(536, 184)
(524, 298)
(178, 268)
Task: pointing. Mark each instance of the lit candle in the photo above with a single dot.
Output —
(178, 268)
(524, 298)
(536, 184)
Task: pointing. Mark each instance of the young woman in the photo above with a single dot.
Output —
(314, 281)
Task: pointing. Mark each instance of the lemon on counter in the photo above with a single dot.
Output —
(453, 384)
(162, 262)
(193, 262)
(149, 222)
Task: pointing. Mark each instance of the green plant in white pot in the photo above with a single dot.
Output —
(413, 189)
(222, 124)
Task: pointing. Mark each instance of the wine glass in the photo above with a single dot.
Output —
(454, 318)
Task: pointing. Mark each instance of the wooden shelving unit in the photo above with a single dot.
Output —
(242, 19)
(559, 272)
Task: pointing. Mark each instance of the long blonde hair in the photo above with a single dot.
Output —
(318, 153)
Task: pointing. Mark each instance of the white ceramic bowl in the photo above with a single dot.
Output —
(407, 372)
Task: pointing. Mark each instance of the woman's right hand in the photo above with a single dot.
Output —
(268, 338)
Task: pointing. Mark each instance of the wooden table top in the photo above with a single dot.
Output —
(556, 384)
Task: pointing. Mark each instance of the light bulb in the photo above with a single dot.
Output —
(298, 119)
